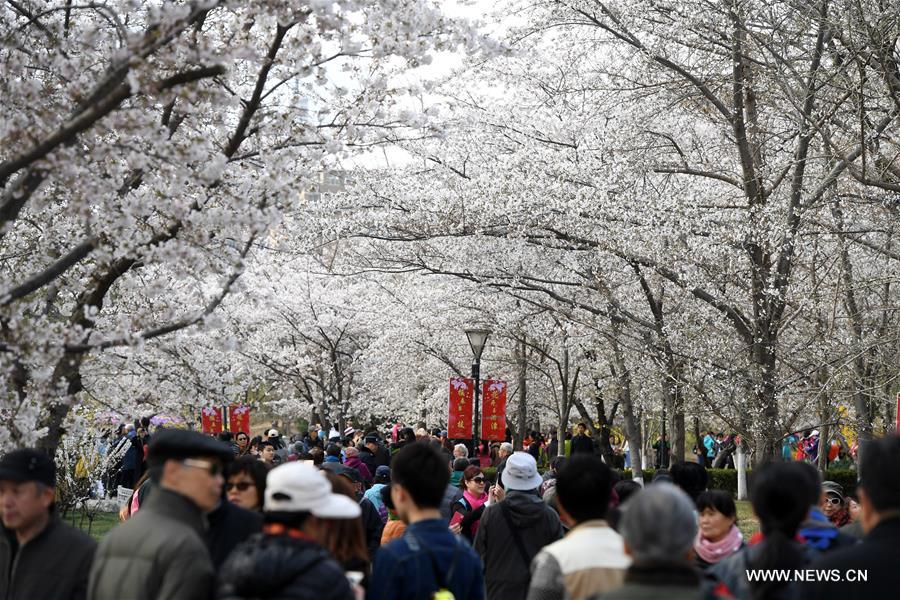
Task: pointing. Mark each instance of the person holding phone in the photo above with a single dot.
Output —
(467, 511)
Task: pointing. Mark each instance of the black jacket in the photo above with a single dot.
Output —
(368, 458)
(582, 444)
(282, 567)
(373, 526)
(382, 457)
(876, 555)
(229, 525)
(506, 571)
(54, 565)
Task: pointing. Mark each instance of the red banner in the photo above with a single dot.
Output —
(493, 422)
(211, 419)
(239, 419)
(462, 392)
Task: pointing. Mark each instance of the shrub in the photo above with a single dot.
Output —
(490, 473)
(726, 479)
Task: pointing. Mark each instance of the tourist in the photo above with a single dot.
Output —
(312, 440)
(581, 441)
(373, 494)
(245, 483)
(659, 527)
(428, 558)
(690, 477)
(243, 443)
(267, 453)
(709, 446)
(459, 468)
(591, 558)
(345, 539)
(505, 451)
(876, 555)
(274, 438)
(467, 511)
(227, 526)
(453, 492)
(372, 523)
(367, 454)
(623, 490)
(460, 451)
(780, 494)
(161, 552)
(285, 560)
(353, 461)
(817, 531)
(833, 503)
(718, 536)
(394, 527)
(41, 557)
(513, 529)
(333, 461)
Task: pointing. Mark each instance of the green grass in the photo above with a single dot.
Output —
(103, 522)
(747, 522)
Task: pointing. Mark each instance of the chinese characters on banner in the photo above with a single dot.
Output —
(459, 424)
(211, 419)
(493, 423)
(239, 419)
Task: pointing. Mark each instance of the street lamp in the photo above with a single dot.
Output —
(477, 339)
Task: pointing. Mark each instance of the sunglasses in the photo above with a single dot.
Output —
(478, 479)
(833, 501)
(242, 486)
(211, 468)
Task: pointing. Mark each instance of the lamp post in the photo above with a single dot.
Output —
(477, 339)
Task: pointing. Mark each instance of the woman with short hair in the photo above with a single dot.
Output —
(718, 536)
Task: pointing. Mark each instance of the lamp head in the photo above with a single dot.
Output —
(477, 339)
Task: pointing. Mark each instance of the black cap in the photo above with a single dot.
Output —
(180, 443)
(370, 439)
(351, 474)
(28, 464)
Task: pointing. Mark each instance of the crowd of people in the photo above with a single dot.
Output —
(355, 515)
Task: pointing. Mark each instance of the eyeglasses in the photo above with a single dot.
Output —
(833, 501)
(211, 468)
(242, 486)
(478, 479)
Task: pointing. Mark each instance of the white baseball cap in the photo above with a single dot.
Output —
(520, 473)
(298, 487)
(272, 433)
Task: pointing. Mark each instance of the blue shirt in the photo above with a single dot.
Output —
(404, 570)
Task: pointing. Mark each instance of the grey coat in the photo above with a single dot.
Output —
(51, 566)
(159, 553)
(668, 582)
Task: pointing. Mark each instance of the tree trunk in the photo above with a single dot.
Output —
(522, 409)
(623, 379)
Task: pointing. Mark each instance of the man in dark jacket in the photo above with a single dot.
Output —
(161, 552)
(581, 442)
(367, 453)
(513, 531)
(876, 556)
(284, 561)
(40, 556)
